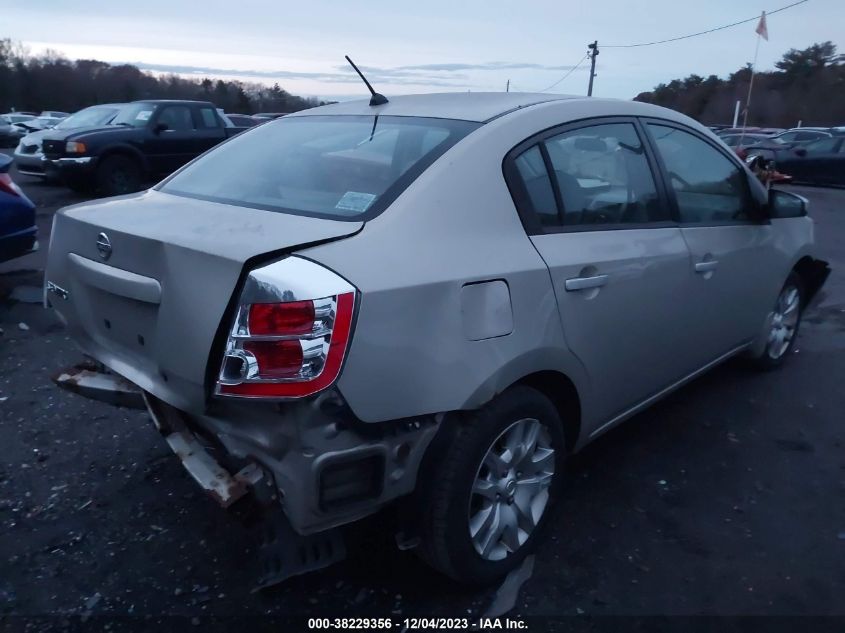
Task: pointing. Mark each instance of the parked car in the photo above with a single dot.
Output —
(821, 162)
(433, 319)
(739, 142)
(29, 156)
(18, 232)
(788, 139)
(799, 135)
(8, 130)
(55, 114)
(146, 140)
(242, 120)
(269, 115)
(21, 129)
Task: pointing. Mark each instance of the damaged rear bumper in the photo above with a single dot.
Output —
(217, 482)
(312, 458)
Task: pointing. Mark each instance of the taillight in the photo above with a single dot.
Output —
(282, 344)
(7, 185)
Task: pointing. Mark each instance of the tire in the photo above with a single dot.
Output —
(79, 186)
(118, 174)
(451, 508)
(784, 320)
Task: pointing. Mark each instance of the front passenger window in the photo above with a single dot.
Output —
(709, 187)
(177, 118)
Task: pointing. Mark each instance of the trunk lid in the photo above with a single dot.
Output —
(147, 301)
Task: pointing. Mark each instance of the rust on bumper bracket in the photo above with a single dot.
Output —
(221, 485)
(92, 381)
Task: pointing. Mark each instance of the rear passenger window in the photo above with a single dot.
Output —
(209, 119)
(538, 187)
(709, 187)
(603, 176)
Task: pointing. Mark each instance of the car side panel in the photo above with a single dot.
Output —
(411, 352)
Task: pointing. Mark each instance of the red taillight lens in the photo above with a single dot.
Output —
(7, 185)
(276, 359)
(274, 319)
(259, 363)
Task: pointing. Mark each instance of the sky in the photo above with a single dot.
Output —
(432, 46)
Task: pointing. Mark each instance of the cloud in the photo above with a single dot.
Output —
(331, 77)
(447, 75)
(485, 66)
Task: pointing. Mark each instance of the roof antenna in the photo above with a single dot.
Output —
(376, 99)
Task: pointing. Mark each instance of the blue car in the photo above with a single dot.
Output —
(18, 232)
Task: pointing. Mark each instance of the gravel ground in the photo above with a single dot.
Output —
(727, 498)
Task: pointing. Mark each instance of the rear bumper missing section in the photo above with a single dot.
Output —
(94, 382)
(218, 482)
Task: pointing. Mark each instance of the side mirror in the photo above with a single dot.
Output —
(160, 127)
(783, 204)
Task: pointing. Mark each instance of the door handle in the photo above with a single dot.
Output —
(583, 283)
(706, 267)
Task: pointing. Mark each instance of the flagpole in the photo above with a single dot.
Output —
(761, 32)
(750, 87)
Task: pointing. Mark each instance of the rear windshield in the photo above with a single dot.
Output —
(338, 167)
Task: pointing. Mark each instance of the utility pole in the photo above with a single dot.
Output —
(508, 86)
(593, 52)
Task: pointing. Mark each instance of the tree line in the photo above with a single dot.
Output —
(52, 82)
(808, 86)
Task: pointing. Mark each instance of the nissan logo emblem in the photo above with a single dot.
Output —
(104, 245)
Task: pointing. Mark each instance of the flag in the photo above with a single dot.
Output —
(762, 30)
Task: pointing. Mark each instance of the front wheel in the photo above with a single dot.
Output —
(782, 324)
(494, 488)
(119, 174)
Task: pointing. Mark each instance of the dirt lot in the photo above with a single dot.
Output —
(726, 498)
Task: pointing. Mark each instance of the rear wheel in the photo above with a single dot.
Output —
(118, 174)
(782, 324)
(494, 488)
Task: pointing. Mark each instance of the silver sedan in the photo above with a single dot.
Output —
(427, 304)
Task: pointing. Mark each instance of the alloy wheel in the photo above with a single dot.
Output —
(784, 321)
(511, 489)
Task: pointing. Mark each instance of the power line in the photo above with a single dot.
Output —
(720, 28)
(571, 70)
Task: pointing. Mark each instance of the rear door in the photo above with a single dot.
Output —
(618, 263)
(174, 145)
(731, 285)
(209, 128)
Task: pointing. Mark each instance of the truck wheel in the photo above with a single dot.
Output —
(782, 324)
(80, 185)
(118, 174)
(493, 489)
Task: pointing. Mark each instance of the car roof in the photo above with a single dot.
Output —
(467, 106)
(179, 101)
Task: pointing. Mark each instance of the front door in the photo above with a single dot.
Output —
(618, 263)
(731, 288)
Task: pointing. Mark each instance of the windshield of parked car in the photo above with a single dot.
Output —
(17, 118)
(95, 115)
(135, 115)
(338, 167)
